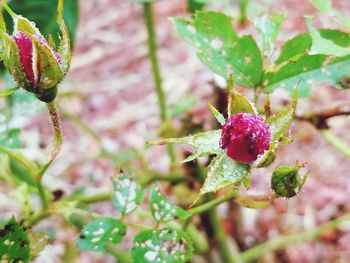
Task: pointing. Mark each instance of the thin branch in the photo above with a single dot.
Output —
(281, 242)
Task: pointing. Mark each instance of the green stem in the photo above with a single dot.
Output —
(336, 142)
(152, 49)
(58, 135)
(281, 242)
(90, 199)
(243, 6)
(213, 203)
(120, 255)
(105, 196)
(220, 237)
(55, 149)
(37, 218)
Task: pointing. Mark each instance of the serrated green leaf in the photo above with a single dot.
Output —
(14, 243)
(220, 118)
(219, 47)
(280, 123)
(269, 27)
(326, 7)
(162, 209)
(301, 44)
(127, 194)
(324, 46)
(239, 103)
(294, 48)
(309, 70)
(205, 143)
(165, 245)
(99, 232)
(223, 171)
(10, 138)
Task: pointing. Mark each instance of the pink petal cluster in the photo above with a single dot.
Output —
(26, 47)
(245, 136)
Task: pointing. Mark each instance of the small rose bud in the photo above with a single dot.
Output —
(245, 136)
(33, 63)
(286, 181)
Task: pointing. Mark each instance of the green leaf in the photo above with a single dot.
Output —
(324, 46)
(7, 92)
(99, 232)
(162, 209)
(127, 194)
(325, 6)
(44, 15)
(14, 243)
(280, 123)
(269, 27)
(219, 47)
(10, 138)
(309, 69)
(22, 168)
(223, 171)
(38, 241)
(195, 5)
(220, 118)
(294, 48)
(239, 103)
(165, 245)
(205, 143)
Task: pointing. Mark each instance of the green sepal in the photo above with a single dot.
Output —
(64, 49)
(11, 58)
(51, 73)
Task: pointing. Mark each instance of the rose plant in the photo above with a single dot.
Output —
(249, 137)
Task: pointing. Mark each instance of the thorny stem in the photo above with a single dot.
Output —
(213, 203)
(279, 243)
(56, 124)
(55, 149)
(152, 49)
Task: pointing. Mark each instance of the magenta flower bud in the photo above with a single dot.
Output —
(245, 136)
(34, 63)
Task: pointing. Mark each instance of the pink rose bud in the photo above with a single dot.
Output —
(34, 64)
(245, 136)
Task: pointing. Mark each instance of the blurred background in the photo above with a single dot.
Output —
(109, 110)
